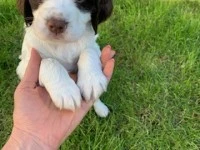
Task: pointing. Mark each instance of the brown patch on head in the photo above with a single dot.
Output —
(100, 10)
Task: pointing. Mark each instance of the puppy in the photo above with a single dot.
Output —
(64, 33)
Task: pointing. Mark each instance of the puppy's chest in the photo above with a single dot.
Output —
(67, 55)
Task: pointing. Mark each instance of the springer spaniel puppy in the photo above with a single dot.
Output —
(64, 33)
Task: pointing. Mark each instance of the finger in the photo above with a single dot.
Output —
(79, 115)
(82, 111)
(108, 69)
(32, 70)
(106, 54)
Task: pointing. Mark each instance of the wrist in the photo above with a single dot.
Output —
(20, 140)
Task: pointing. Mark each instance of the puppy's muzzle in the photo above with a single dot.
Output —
(56, 26)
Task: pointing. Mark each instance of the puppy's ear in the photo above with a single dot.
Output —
(34, 4)
(105, 10)
(102, 12)
(20, 6)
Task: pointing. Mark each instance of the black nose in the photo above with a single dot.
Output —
(56, 26)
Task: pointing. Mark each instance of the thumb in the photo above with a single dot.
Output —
(32, 70)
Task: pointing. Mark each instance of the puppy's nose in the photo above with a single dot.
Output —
(56, 26)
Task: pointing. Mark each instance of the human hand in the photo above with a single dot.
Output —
(38, 124)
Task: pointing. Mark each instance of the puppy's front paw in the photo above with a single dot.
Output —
(92, 84)
(65, 95)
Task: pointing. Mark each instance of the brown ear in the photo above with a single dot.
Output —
(20, 6)
(105, 10)
(102, 12)
(33, 3)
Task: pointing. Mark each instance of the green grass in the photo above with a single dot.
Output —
(154, 95)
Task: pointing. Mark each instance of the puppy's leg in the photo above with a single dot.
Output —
(91, 79)
(100, 108)
(62, 89)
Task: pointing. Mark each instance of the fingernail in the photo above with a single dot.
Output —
(113, 60)
(113, 53)
(108, 46)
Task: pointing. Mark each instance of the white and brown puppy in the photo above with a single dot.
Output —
(63, 32)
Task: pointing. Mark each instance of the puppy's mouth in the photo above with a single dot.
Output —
(56, 36)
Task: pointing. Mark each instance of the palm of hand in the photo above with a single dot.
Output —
(43, 117)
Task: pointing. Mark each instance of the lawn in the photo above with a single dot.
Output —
(154, 95)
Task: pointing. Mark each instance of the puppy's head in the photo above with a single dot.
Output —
(66, 20)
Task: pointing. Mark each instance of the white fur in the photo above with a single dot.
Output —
(74, 49)
(100, 108)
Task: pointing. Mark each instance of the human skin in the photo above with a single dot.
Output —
(37, 123)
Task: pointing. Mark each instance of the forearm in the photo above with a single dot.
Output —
(20, 140)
